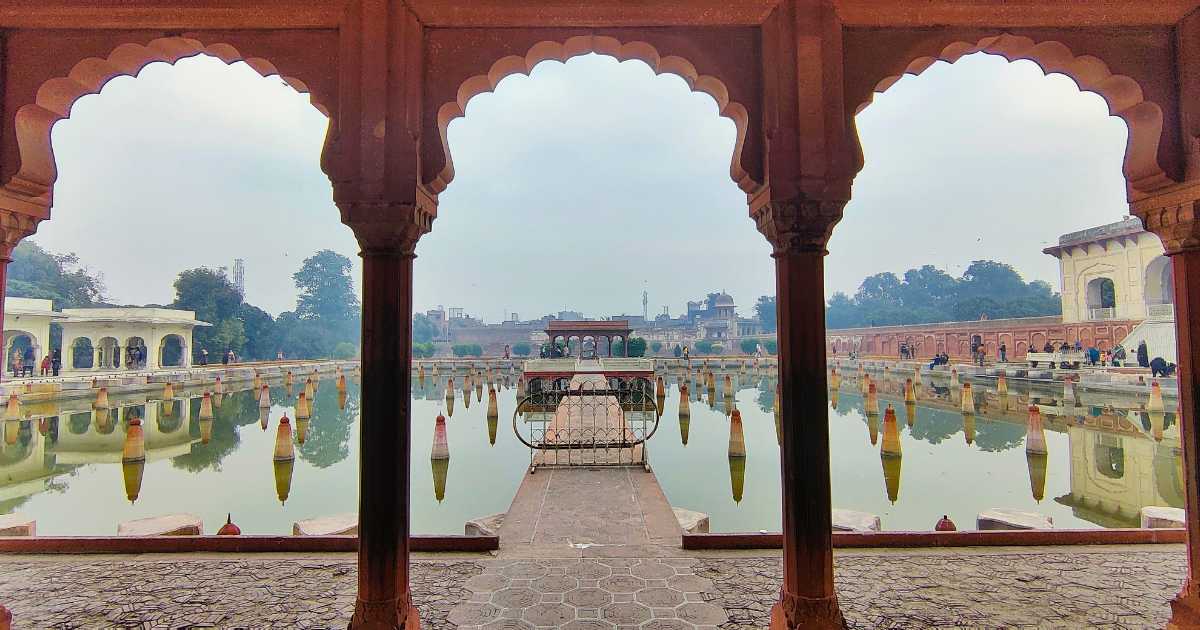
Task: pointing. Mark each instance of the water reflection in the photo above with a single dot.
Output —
(1099, 458)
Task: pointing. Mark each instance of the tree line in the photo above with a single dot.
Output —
(326, 323)
(987, 289)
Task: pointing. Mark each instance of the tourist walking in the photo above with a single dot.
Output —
(203, 356)
(56, 361)
(1143, 355)
(1003, 353)
(15, 363)
(45, 365)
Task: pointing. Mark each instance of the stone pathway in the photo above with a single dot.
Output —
(562, 512)
(1049, 587)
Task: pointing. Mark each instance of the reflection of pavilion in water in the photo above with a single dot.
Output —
(1123, 458)
(1114, 475)
(51, 441)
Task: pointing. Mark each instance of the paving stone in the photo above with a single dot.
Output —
(631, 613)
(588, 598)
(659, 597)
(549, 614)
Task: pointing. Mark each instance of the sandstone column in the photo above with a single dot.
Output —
(388, 235)
(798, 230)
(1175, 217)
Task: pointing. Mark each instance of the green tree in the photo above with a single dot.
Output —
(749, 346)
(772, 346)
(262, 338)
(36, 273)
(423, 350)
(637, 347)
(214, 299)
(656, 347)
(764, 310)
(678, 351)
(704, 346)
(326, 289)
(927, 294)
(522, 349)
(467, 350)
(423, 329)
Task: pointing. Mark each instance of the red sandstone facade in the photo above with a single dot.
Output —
(790, 74)
(954, 338)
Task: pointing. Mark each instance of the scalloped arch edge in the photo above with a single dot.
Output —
(603, 45)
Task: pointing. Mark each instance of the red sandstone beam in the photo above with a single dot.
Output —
(899, 539)
(228, 544)
(1013, 13)
(169, 14)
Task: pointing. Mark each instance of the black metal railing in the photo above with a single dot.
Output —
(596, 422)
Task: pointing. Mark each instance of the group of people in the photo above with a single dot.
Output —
(23, 363)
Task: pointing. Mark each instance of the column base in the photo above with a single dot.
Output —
(1185, 610)
(793, 612)
(397, 614)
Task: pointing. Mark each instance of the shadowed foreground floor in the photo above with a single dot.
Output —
(1048, 587)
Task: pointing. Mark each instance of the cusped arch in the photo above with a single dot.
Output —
(603, 45)
(1123, 94)
(34, 121)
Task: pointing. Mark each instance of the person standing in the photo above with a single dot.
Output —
(56, 361)
(1003, 353)
(225, 357)
(45, 371)
(1143, 354)
(203, 356)
(29, 362)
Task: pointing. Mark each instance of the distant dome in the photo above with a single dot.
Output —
(724, 299)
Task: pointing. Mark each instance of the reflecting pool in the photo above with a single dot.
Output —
(1105, 456)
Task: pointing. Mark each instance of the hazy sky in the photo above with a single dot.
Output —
(578, 187)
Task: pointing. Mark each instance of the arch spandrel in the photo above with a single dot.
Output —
(52, 78)
(1131, 70)
(460, 65)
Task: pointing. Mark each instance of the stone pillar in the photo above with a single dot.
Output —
(1175, 218)
(14, 226)
(384, 594)
(798, 230)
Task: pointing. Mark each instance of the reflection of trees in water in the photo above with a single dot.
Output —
(328, 439)
(935, 425)
(997, 435)
(79, 423)
(237, 410)
(766, 395)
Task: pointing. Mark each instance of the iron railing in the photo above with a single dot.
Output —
(587, 421)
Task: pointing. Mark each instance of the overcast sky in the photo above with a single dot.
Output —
(576, 188)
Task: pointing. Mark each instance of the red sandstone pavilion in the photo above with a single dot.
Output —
(791, 75)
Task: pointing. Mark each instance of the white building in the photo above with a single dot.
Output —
(105, 338)
(27, 324)
(1119, 271)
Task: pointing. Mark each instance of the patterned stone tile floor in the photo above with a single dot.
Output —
(1048, 587)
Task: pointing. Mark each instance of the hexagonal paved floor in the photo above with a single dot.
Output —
(1047, 587)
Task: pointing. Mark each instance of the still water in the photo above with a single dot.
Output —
(1106, 459)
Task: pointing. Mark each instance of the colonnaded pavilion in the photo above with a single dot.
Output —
(791, 74)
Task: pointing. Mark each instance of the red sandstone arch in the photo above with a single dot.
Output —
(582, 45)
(1091, 74)
(34, 121)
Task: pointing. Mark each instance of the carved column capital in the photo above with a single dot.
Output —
(799, 224)
(14, 226)
(1174, 215)
(385, 226)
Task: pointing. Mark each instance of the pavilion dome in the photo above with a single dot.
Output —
(724, 299)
